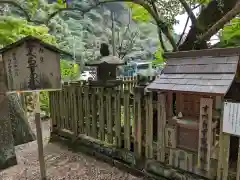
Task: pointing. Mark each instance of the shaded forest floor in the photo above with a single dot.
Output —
(61, 164)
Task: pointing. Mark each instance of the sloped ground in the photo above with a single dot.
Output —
(61, 164)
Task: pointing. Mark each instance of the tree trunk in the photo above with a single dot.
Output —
(207, 18)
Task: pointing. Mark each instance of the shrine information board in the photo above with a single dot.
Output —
(231, 118)
(32, 67)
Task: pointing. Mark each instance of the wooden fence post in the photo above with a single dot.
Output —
(94, 113)
(161, 118)
(138, 124)
(109, 116)
(75, 114)
(87, 111)
(80, 108)
(101, 114)
(118, 118)
(149, 127)
(127, 125)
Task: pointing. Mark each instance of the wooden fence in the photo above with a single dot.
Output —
(105, 114)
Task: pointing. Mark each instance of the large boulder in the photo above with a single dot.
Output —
(22, 133)
(7, 151)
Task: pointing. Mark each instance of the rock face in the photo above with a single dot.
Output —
(7, 151)
(21, 130)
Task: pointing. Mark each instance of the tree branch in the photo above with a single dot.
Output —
(129, 48)
(207, 18)
(184, 29)
(121, 44)
(218, 25)
(161, 40)
(189, 11)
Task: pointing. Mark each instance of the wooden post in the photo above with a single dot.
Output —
(146, 102)
(39, 138)
(220, 156)
(80, 109)
(226, 146)
(101, 114)
(161, 110)
(138, 129)
(109, 116)
(150, 126)
(57, 110)
(118, 127)
(126, 121)
(205, 133)
(87, 111)
(238, 162)
(94, 113)
(61, 103)
(65, 105)
(223, 158)
(75, 118)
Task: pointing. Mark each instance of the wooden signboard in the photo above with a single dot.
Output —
(30, 66)
(231, 118)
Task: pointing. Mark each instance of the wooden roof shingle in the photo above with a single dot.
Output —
(206, 74)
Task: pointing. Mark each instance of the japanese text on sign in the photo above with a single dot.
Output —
(231, 118)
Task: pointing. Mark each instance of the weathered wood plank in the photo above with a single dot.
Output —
(226, 147)
(57, 106)
(94, 112)
(238, 162)
(109, 116)
(75, 114)
(62, 115)
(161, 110)
(126, 121)
(118, 118)
(220, 156)
(205, 133)
(101, 114)
(87, 111)
(150, 126)
(80, 109)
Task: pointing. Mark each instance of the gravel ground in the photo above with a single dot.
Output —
(61, 164)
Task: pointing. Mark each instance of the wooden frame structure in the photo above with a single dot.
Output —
(199, 82)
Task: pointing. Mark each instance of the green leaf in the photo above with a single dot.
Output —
(139, 13)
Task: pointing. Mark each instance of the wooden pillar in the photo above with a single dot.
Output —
(101, 114)
(138, 123)
(117, 104)
(161, 109)
(94, 113)
(109, 116)
(80, 108)
(238, 162)
(149, 127)
(127, 133)
(223, 158)
(205, 134)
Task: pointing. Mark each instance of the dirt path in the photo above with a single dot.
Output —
(61, 164)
